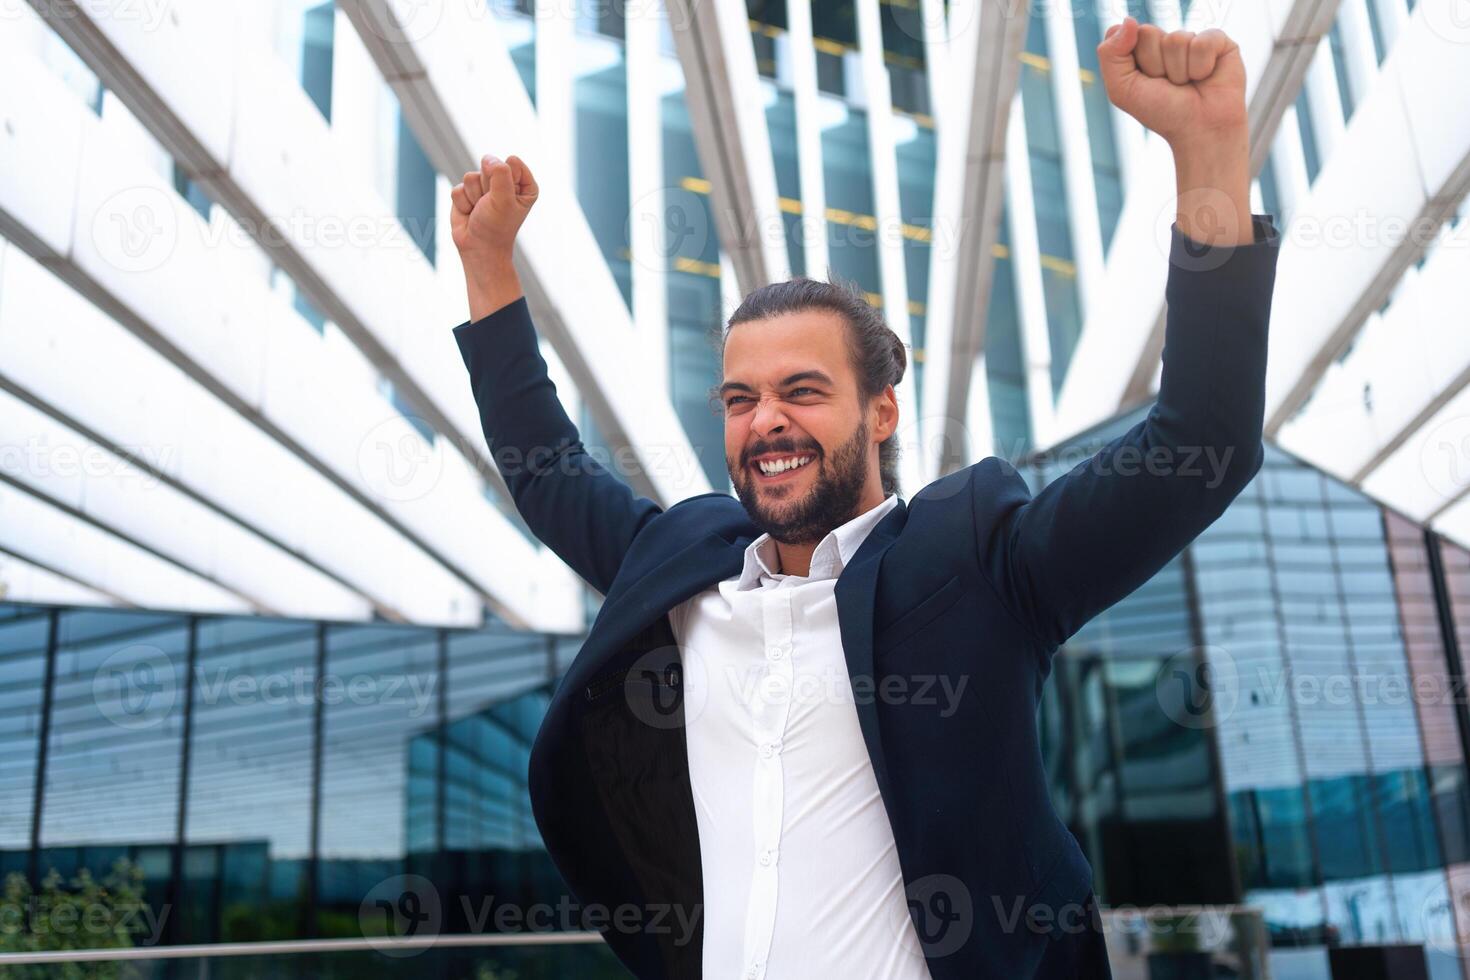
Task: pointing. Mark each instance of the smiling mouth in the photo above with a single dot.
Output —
(784, 474)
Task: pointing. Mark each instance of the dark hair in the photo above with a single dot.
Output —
(876, 353)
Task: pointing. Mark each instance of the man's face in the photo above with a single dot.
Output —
(789, 392)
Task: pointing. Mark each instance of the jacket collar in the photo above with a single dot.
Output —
(832, 555)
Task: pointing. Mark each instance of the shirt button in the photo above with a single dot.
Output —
(769, 749)
(775, 653)
(768, 858)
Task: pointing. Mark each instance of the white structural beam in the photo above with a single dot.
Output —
(35, 581)
(244, 129)
(986, 38)
(1405, 365)
(288, 417)
(722, 88)
(118, 493)
(41, 533)
(1279, 43)
(1118, 352)
(463, 98)
(1401, 169)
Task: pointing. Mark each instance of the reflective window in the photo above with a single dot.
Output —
(305, 38)
(1308, 135)
(846, 168)
(1347, 841)
(318, 34)
(692, 248)
(1339, 67)
(1005, 365)
(517, 26)
(1272, 845)
(1407, 811)
(1106, 173)
(1049, 195)
(416, 190)
(24, 635)
(247, 827)
(379, 690)
(602, 152)
(904, 56)
(781, 121)
(915, 149)
(113, 762)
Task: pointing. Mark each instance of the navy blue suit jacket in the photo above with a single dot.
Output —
(974, 578)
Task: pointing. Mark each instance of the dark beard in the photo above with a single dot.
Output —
(831, 502)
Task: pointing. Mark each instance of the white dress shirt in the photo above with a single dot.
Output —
(801, 875)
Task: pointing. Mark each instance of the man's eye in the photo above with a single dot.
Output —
(798, 390)
(738, 398)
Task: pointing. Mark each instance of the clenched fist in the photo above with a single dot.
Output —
(490, 205)
(1180, 84)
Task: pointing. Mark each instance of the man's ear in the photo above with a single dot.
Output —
(887, 413)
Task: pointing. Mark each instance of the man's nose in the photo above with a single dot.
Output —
(768, 416)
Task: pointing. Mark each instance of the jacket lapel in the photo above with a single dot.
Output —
(690, 570)
(856, 590)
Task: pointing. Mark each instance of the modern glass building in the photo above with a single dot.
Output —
(237, 445)
(1278, 720)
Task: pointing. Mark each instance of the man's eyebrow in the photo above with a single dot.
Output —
(798, 376)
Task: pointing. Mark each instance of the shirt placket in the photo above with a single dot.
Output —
(768, 718)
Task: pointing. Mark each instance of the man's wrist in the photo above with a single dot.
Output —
(491, 283)
(1212, 173)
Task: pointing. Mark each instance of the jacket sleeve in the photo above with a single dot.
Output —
(570, 501)
(1097, 533)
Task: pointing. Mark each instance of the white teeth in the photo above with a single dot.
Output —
(781, 466)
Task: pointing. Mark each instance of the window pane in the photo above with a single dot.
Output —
(248, 820)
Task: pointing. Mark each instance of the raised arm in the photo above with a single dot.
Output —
(579, 510)
(1095, 534)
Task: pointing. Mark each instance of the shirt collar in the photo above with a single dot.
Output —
(831, 556)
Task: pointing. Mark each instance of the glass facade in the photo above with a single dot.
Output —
(846, 169)
(1005, 363)
(1049, 197)
(602, 151)
(1106, 168)
(270, 777)
(1276, 719)
(1308, 135)
(696, 313)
